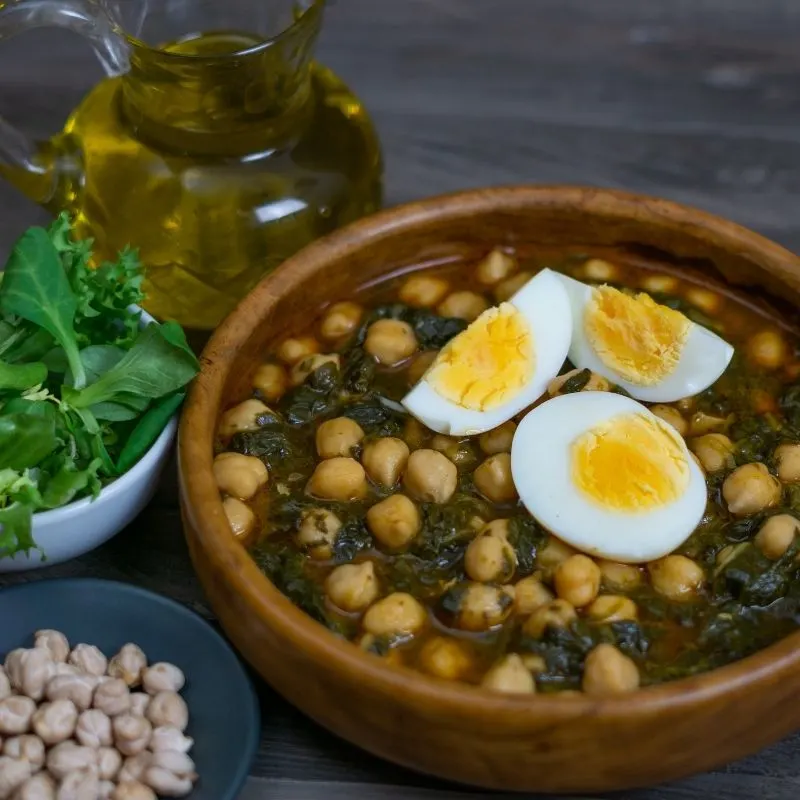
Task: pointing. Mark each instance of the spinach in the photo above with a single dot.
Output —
(577, 382)
(375, 416)
(526, 536)
(352, 538)
(432, 331)
(318, 396)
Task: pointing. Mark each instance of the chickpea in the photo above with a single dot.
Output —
(139, 703)
(558, 614)
(131, 733)
(271, 381)
(596, 269)
(28, 748)
(676, 577)
(338, 478)
(5, 684)
(133, 790)
(112, 697)
(36, 667)
(490, 557)
(493, 479)
(596, 383)
(166, 738)
(128, 664)
(340, 320)
(13, 774)
(338, 437)
(134, 767)
(483, 607)
(290, 351)
(506, 289)
(463, 305)
(317, 532)
(577, 580)
(495, 267)
(244, 417)
(608, 671)
(660, 284)
(671, 416)
(15, 715)
(352, 587)
(534, 663)
(163, 677)
(166, 783)
(612, 608)
(445, 658)
(498, 440)
(93, 729)
(420, 365)
(787, 459)
(38, 787)
(54, 642)
(385, 459)
(394, 522)
(619, 577)
(750, 489)
(68, 757)
(509, 675)
(423, 291)
(702, 423)
(168, 709)
(238, 475)
(76, 688)
(530, 593)
(240, 517)
(430, 477)
(414, 433)
(768, 349)
(302, 369)
(704, 299)
(390, 341)
(552, 554)
(396, 614)
(54, 722)
(775, 536)
(714, 451)
(762, 402)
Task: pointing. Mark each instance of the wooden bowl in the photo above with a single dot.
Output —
(548, 744)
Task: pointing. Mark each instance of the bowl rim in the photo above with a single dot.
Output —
(203, 506)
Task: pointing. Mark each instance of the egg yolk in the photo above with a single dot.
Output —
(635, 336)
(488, 363)
(630, 463)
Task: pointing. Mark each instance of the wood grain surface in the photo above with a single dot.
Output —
(694, 100)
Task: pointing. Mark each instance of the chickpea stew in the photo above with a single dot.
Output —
(415, 545)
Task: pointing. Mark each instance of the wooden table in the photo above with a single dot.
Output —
(695, 100)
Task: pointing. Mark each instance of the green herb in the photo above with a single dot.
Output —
(577, 382)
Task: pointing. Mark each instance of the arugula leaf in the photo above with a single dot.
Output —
(35, 288)
(16, 531)
(68, 482)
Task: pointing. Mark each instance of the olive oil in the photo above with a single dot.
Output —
(217, 156)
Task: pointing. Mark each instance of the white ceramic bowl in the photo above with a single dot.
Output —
(78, 527)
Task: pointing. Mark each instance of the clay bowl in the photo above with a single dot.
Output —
(548, 744)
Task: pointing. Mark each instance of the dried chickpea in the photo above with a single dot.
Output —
(14, 773)
(506, 289)
(489, 557)
(445, 658)
(390, 341)
(394, 522)
(271, 381)
(352, 587)
(671, 416)
(290, 351)
(482, 606)
(498, 440)
(397, 614)
(340, 320)
(596, 269)
(509, 675)
(714, 451)
(338, 478)
(776, 534)
(317, 532)
(750, 489)
(495, 267)
(768, 349)
(430, 477)
(423, 291)
(238, 475)
(608, 671)
(463, 305)
(612, 608)
(385, 459)
(302, 369)
(529, 594)
(419, 366)
(338, 437)
(787, 459)
(577, 580)
(55, 643)
(244, 417)
(558, 614)
(619, 577)
(240, 517)
(493, 479)
(676, 577)
(596, 383)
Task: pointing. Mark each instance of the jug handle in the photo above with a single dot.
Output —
(37, 168)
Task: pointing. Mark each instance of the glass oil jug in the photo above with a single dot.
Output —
(216, 145)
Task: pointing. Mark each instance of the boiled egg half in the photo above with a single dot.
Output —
(499, 365)
(607, 476)
(653, 352)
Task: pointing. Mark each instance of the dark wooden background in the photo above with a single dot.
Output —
(694, 100)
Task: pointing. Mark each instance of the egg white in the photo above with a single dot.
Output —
(544, 304)
(541, 469)
(704, 356)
